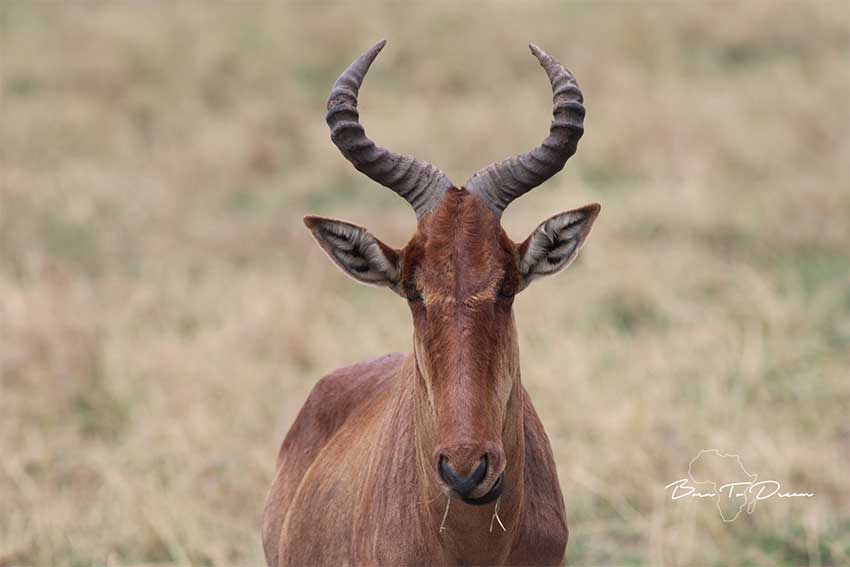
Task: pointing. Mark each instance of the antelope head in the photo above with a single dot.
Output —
(459, 273)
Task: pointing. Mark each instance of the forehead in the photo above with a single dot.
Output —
(460, 247)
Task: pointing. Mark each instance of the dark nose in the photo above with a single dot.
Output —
(463, 486)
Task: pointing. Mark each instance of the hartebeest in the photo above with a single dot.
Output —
(436, 457)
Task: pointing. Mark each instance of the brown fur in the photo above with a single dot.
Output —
(357, 479)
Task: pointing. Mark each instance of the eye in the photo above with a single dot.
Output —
(507, 289)
(505, 294)
(413, 294)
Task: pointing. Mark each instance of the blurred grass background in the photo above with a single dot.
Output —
(163, 312)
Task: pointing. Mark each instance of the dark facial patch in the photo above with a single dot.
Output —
(466, 271)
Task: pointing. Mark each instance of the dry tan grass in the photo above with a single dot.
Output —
(163, 314)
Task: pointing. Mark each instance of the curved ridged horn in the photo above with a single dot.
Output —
(419, 182)
(500, 183)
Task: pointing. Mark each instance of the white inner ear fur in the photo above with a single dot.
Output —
(356, 252)
(554, 244)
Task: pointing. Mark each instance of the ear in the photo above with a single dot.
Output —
(356, 252)
(555, 243)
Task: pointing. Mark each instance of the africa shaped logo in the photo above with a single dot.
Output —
(724, 479)
(727, 478)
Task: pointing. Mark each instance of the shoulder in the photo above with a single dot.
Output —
(338, 394)
(351, 383)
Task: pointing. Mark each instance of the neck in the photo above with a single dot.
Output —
(467, 533)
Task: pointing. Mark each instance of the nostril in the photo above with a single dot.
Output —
(463, 486)
(480, 472)
(445, 472)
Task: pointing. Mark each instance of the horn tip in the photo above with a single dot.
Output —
(370, 54)
(541, 55)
